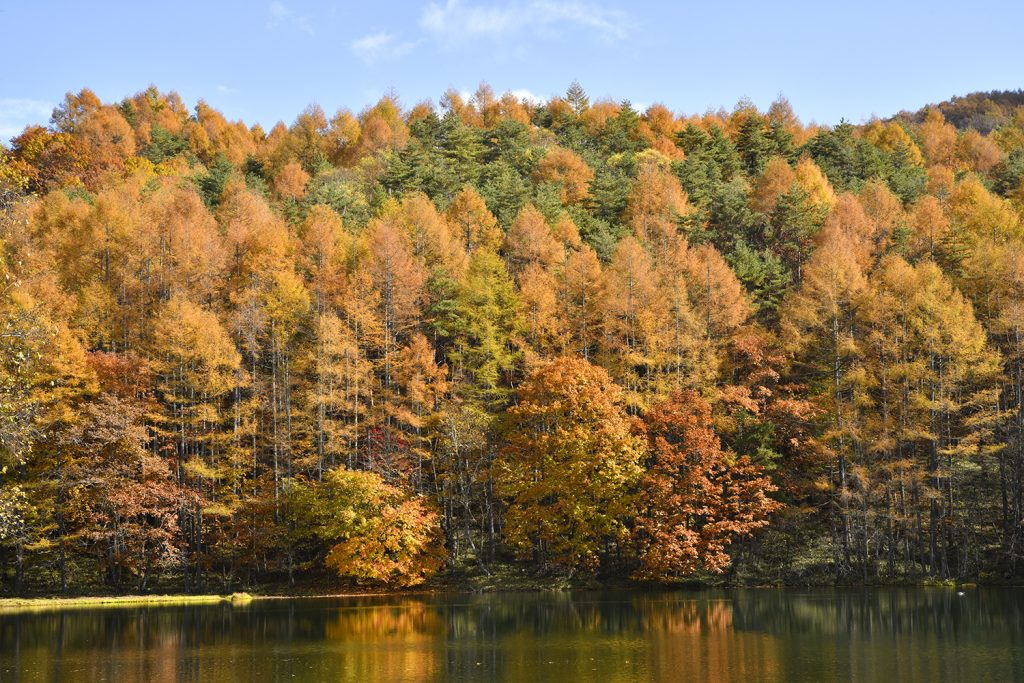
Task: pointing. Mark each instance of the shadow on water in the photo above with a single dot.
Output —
(712, 636)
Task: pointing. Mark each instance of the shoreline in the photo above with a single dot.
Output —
(38, 604)
(31, 604)
(9, 605)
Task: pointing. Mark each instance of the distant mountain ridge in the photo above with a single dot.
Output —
(983, 111)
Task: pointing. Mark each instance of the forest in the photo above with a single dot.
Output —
(565, 339)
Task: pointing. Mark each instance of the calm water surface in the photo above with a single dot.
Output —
(714, 636)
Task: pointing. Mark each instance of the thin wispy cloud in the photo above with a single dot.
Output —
(16, 113)
(456, 21)
(281, 15)
(382, 46)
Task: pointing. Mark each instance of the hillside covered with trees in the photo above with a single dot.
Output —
(982, 111)
(570, 337)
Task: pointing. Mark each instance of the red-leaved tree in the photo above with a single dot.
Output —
(697, 498)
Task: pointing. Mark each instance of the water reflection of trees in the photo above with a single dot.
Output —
(909, 634)
(696, 640)
(701, 636)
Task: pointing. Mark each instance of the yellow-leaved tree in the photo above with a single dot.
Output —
(569, 462)
(379, 534)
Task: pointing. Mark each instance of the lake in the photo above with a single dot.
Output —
(714, 636)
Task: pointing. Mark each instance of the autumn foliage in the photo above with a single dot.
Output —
(696, 499)
(556, 338)
(568, 467)
(381, 535)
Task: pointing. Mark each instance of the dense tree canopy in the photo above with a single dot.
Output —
(569, 335)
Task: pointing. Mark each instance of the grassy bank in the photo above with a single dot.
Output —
(35, 604)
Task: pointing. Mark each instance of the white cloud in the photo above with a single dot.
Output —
(526, 96)
(16, 113)
(381, 46)
(281, 14)
(457, 21)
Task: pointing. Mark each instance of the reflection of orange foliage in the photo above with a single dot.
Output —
(400, 619)
(686, 617)
(399, 642)
(696, 640)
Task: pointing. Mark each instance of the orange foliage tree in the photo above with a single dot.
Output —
(568, 170)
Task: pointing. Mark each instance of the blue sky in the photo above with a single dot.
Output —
(264, 61)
